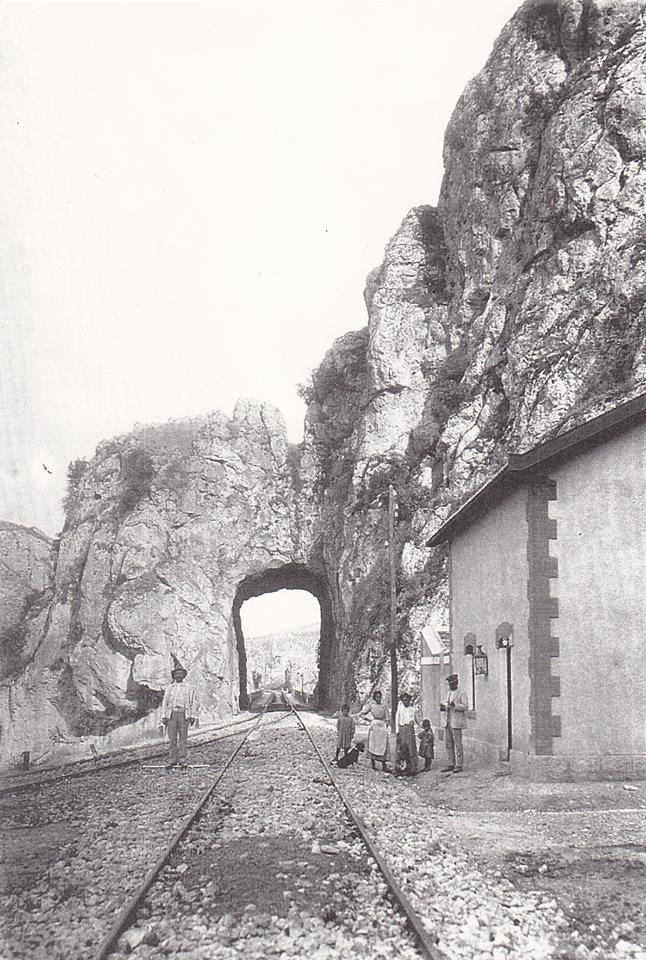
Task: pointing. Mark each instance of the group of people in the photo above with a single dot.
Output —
(408, 750)
(180, 710)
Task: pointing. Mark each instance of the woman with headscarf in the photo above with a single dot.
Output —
(378, 731)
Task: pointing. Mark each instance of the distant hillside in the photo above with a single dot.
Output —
(284, 658)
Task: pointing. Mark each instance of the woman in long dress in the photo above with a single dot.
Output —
(405, 730)
(378, 731)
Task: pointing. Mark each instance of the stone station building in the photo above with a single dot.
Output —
(548, 604)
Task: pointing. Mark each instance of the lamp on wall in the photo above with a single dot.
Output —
(504, 636)
(469, 651)
(480, 663)
(505, 641)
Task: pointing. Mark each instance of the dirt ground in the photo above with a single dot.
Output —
(71, 851)
(582, 845)
(273, 867)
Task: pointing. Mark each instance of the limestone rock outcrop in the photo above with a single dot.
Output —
(164, 526)
(25, 578)
(512, 311)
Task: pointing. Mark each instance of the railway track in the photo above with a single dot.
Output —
(275, 863)
(180, 881)
(35, 777)
(24, 781)
(129, 909)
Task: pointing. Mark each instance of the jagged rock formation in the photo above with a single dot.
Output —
(512, 311)
(164, 528)
(25, 578)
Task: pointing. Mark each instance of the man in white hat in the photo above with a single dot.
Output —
(179, 711)
(454, 709)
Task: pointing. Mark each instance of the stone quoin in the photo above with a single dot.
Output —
(554, 546)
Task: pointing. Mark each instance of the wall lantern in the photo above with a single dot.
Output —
(480, 663)
(505, 641)
(469, 651)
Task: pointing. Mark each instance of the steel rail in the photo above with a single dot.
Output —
(123, 919)
(428, 945)
(112, 761)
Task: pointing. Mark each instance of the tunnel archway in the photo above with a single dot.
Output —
(291, 576)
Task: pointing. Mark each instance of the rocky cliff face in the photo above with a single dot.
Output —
(163, 527)
(25, 578)
(508, 313)
(511, 312)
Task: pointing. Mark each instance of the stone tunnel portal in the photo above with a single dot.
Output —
(292, 576)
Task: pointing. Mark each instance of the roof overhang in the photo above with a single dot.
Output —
(535, 463)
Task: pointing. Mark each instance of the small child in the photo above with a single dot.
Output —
(427, 744)
(352, 756)
(344, 731)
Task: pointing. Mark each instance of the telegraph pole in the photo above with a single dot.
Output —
(393, 601)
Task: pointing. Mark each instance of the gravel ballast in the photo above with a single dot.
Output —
(274, 867)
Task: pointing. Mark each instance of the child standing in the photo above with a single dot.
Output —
(344, 731)
(426, 744)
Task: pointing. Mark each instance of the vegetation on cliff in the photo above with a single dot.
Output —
(512, 311)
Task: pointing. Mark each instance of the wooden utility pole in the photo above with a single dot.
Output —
(393, 601)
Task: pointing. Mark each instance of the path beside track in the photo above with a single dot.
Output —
(76, 849)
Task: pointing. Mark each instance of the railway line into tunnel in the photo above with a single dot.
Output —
(290, 576)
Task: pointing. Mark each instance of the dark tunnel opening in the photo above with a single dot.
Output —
(289, 577)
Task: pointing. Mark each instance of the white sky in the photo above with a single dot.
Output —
(273, 612)
(191, 196)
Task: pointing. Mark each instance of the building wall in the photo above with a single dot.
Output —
(600, 509)
(488, 587)
(433, 687)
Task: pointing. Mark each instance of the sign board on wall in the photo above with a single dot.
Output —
(432, 641)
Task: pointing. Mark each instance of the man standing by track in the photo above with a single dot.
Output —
(179, 711)
(454, 710)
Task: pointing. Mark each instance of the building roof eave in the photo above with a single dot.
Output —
(592, 432)
(475, 504)
(523, 467)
